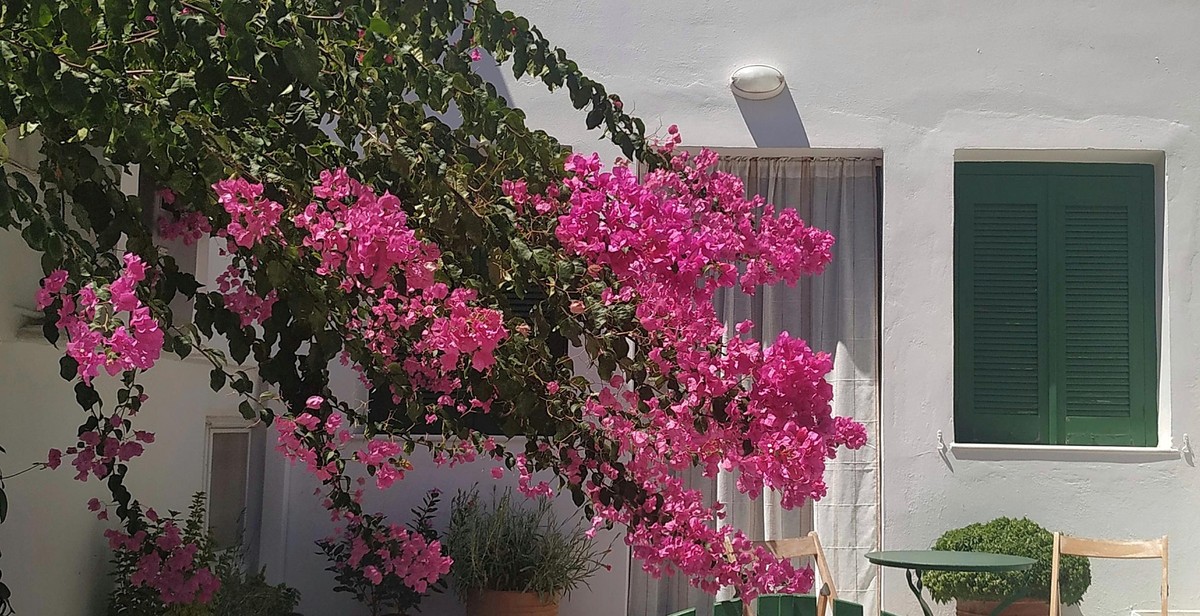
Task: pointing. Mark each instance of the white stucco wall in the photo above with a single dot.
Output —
(922, 81)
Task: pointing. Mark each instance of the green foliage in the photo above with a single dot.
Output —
(504, 546)
(125, 599)
(244, 593)
(195, 91)
(1007, 536)
(391, 596)
(240, 593)
(5, 594)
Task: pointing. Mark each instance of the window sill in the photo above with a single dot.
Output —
(1063, 453)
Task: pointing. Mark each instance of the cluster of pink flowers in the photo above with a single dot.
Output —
(364, 242)
(395, 551)
(465, 331)
(166, 563)
(187, 227)
(108, 327)
(665, 244)
(385, 460)
(670, 241)
(237, 293)
(295, 442)
(101, 448)
(363, 236)
(253, 217)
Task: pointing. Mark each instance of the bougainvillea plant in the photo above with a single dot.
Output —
(393, 580)
(307, 139)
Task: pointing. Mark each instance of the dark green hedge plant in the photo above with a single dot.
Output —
(1018, 537)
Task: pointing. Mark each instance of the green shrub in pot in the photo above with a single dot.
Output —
(507, 545)
(1018, 537)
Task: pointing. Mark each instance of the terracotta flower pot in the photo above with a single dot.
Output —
(1024, 607)
(507, 603)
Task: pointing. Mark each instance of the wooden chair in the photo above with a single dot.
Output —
(801, 547)
(1101, 548)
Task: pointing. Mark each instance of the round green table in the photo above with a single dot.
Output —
(917, 562)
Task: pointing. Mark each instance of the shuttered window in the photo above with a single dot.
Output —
(1054, 304)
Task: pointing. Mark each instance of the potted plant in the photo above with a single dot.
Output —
(977, 594)
(514, 560)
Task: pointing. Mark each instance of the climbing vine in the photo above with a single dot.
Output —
(444, 260)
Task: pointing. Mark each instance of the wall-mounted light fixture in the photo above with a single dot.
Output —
(757, 82)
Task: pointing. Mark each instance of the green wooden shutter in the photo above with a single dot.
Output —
(1000, 381)
(1055, 323)
(1103, 326)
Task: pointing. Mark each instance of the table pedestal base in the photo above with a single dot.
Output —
(914, 583)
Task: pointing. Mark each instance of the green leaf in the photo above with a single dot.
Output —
(77, 27)
(41, 13)
(3, 506)
(247, 410)
(168, 36)
(595, 118)
(116, 16)
(239, 346)
(237, 14)
(68, 368)
(579, 95)
(277, 274)
(86, 396)
(380, 26)
(216, 379)
(303, 60)
(50, 332)
(183, 348)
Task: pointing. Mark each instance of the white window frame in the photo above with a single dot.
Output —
(256, 445)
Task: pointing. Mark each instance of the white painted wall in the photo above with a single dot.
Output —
(922, 80)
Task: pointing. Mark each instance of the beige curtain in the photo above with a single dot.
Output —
(836, 312)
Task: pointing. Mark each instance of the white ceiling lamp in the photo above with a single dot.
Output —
(757, 82)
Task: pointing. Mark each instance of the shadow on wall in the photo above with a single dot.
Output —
(1071, 610)
(775, 122)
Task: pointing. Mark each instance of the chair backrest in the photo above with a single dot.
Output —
(801, 547)
(1102, 548)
